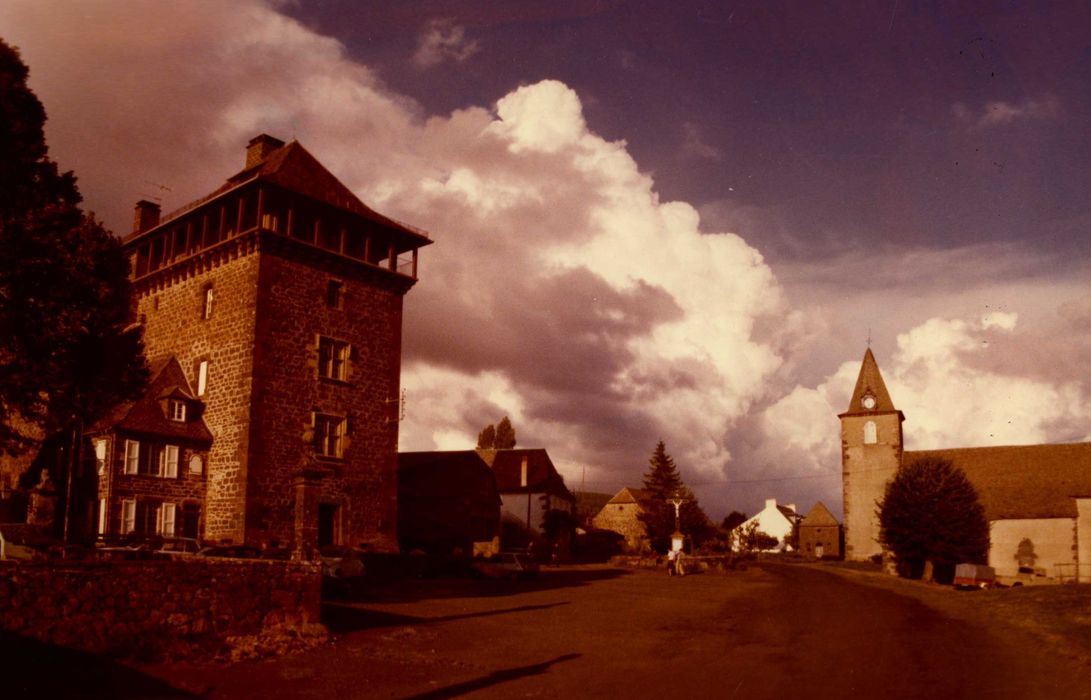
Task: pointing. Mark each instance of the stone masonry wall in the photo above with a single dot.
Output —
(171, 304)
(866, 469)
(158, 608)
(292, 315)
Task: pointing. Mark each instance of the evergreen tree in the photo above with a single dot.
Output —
(662, 483)
(931, 512)
(67, 350)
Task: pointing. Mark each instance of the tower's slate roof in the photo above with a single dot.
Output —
(870, 381)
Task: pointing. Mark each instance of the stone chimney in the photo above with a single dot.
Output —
(145, 216)
(770, 504)
(260, 147)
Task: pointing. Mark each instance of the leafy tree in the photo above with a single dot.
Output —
(497, 437)
(505, 434)
(486, 439)
(751, 539)
(733, 520)
(67, 351)
(662, 483)
(931, 512)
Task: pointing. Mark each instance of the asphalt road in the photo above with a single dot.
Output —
(774, 631)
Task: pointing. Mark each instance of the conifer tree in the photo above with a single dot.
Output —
(486, 439)
(662, 483)
(505, 434)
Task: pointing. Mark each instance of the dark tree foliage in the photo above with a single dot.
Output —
(486, 439)
(505, 434)
(67, 353)
(497, 437)
(733, 520)
(931, 512)
(663, 483)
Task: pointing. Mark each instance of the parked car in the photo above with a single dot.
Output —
(509, 565)
(231, 551)
(19, 541)
(176, 547)
(974, 576)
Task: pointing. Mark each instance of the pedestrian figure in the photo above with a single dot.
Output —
(679, 568)
(672, 558)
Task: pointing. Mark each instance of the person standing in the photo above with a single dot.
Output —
(672, 559)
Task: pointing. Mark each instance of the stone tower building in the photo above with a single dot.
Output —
(871, 451)
(280, 296)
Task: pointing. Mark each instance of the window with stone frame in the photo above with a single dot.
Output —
(165, 519)
(100, 456)
(128, 516)
(202, 377)
(206, 301)
(329, 435)
(333, 358)
(335, 294)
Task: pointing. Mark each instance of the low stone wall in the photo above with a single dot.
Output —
(161, 609)
(693, 564)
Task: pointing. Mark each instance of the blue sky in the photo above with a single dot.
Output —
(652, 220)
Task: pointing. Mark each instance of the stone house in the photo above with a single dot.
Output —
(1037, 498)
(820, 533)
(774, 520)
(150, 457)
(279, 295)
(447, 501)
(621, 514)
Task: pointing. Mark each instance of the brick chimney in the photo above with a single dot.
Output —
(145, 216)
(260, 147)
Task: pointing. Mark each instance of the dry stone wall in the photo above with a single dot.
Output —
(159, 608)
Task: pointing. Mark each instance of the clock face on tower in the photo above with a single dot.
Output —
(868, 402)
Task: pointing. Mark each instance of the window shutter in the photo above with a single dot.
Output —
(132, 456)
(171, 462)
(167, 512)
(128, 516)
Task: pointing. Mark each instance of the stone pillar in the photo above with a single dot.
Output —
(305, 533)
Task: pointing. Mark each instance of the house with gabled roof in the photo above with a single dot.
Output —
(621, 514)
(820, 533)
(774, 520)
(1037, 498)
(150, 457)
(529, 485)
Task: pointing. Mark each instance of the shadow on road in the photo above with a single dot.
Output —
(494, 678)
(342, 618)
(407, 590)
(33, 669)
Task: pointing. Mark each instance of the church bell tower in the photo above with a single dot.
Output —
(871, 451)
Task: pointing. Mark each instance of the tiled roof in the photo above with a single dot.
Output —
(787, 512)
(292, 167)
(631, 495)
(819, 516)
(451, 471)
(870, 381)
(1024, 481)
(542, 476)
(146, 415)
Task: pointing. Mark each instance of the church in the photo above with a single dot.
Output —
(1037, 498)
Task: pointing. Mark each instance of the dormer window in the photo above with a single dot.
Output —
(177, 410)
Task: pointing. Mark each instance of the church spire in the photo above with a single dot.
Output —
(870, 394)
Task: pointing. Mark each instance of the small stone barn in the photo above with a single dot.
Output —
(820, 534)
(622, 515)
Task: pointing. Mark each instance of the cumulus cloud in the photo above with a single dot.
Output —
(561, 290)
(443, 40)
